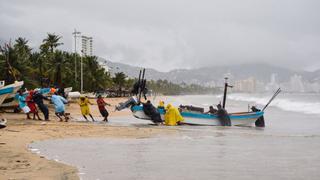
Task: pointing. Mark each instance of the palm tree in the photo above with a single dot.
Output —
(119, 79)
(22, 49)
(51, 42)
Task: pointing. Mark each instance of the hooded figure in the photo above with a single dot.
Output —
(172, 116)
(161, 105)
(260, 121)
(152, 112)
(223, 116)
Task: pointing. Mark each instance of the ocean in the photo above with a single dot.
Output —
(287, 148)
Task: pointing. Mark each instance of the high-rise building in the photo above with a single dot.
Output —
(246, 85)
(83, 45)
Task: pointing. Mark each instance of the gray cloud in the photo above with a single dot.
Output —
(171, 34)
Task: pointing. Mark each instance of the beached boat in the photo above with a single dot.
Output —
(5, 91)
(10, 99)
(195, 118)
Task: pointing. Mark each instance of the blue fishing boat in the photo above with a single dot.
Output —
(5, 91)
(11, 100)
(195, 118)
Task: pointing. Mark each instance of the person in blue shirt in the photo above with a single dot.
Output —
(23, 104)
(59, 106)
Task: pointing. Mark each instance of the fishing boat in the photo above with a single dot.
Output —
(10, 99)
(195, 117)
(5, 91)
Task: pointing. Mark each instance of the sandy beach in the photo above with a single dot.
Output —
(17, 162)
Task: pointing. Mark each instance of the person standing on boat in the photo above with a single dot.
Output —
(223, 116)
(59, 102)
(23, 104)
(38, 99)
(32, 105)
(101, 105)
(84, 105)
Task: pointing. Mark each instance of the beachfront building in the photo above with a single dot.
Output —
(83, 45)
(246, 85)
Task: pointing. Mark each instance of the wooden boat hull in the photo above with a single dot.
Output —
(237, 119)
(10, 100)
(5, 92)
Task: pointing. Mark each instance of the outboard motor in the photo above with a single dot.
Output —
(127, 104)
(260, 121)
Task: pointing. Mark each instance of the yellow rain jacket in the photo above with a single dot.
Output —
(161, 104)
(84, 105)
(172, 116)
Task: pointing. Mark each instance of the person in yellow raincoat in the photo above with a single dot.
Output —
(172, 116)
(161, 105)
(84, 105)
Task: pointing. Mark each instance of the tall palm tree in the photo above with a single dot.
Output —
(119, 79)
(51, 42)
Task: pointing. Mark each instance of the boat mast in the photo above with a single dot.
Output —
(226, 85)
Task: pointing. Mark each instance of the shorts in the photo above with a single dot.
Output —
(26, 109)
(104, 112)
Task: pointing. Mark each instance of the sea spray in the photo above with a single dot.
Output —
(284, 103)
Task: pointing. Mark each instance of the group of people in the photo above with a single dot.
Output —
(29, 102)
(172, 115)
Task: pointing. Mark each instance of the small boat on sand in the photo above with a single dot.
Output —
(5, 91)
(10, 100)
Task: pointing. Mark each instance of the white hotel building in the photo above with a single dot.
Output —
(83, 45)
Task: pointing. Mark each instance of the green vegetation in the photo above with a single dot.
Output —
(50, 66)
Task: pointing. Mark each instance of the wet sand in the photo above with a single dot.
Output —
(17, 162)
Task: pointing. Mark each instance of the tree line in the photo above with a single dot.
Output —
(49, 66)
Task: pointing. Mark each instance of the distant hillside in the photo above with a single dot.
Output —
(212, 75)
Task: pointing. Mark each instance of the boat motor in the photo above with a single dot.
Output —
(127, 104)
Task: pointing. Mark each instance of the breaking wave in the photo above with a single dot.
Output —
(286, 104)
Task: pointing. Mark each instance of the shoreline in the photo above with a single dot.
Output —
(17, 161)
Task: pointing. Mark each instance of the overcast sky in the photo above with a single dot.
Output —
(169, 34)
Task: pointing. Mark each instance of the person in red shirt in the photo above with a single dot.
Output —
(32, 105)
(101, 105)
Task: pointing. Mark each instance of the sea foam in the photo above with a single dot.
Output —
(287, 104)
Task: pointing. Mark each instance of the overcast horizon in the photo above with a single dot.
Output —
(176, 34)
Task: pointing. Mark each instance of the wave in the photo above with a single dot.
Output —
(281, 103)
